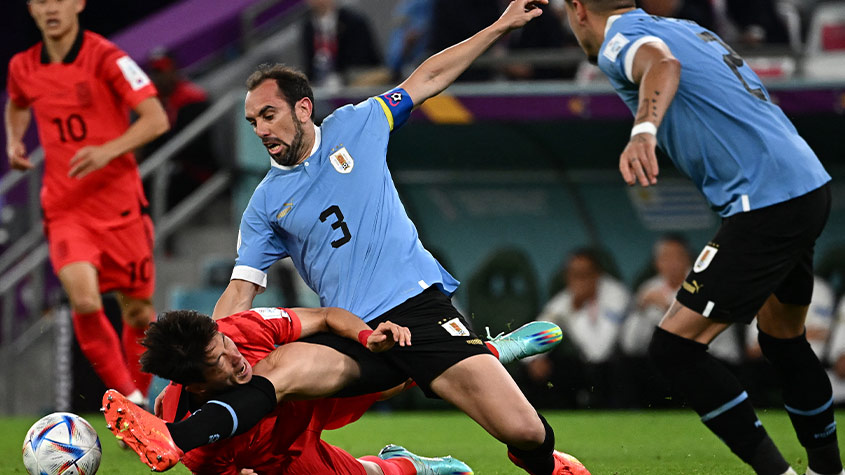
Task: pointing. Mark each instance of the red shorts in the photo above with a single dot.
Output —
(325, 458)
(123, 256)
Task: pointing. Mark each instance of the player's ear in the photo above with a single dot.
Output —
(80, 5)
(303, 109)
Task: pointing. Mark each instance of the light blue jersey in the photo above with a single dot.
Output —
(338, 217)
(721, 130)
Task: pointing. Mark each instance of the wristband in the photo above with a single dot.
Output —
(644, 128)
(363, 335)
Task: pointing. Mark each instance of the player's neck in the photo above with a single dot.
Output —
(58, 47)
(605, 22)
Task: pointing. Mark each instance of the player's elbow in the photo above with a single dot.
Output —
(160, 123)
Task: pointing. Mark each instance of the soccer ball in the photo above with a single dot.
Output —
(61, 443)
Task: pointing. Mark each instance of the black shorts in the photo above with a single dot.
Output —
(440, 337)
(377, 372)
(756, 254)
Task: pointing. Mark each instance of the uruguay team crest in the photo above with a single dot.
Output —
(342, 161)
(705, 258)
(455, 327)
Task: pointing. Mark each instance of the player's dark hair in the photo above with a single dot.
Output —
(293, 84)
(176, 346)
(602, 6)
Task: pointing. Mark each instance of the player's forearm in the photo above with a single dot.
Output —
(439, 71)
(151, 122)
(657, 89)
(344, 323)
(237, 297)
(16, 120)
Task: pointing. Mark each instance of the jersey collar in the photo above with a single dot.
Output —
(609, 23)
(317, 139)
(71, 54)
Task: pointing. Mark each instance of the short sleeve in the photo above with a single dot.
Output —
(616, 58)
(13, 87)
(127, 79)
(283, 324)
(259, 245)
(397, 107)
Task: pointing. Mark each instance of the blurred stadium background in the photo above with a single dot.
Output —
(503, 177)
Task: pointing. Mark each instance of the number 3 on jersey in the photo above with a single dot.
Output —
(339, 224)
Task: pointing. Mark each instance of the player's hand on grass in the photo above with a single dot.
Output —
(386, 335)
(88, 159)
(18, 160)
(157, 405)
(520, 12)
(638, 162)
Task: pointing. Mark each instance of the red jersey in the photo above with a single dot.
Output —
(84, 100)
(287, 440)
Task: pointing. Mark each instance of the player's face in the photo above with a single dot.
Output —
(227, 366)
(275, 123)
(56, 18)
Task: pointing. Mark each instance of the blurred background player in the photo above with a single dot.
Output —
(80, 87)
(739, 149)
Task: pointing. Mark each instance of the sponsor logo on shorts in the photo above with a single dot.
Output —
(706, 257)
(475, 341)
(342, 161)
(455, 327)
(285, 210)
(693, 287)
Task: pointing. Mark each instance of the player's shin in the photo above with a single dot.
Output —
(808, 398)
(226, 415)
(716, 395)
(99, 343)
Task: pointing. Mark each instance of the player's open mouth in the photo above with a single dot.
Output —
(52, 23)
(273, 148)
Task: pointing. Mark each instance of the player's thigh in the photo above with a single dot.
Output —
(376, 372)
(782, 320)
(79, 279)
(690, 324)
(482, 388)
(304, 370)
(752, 256)
(441, 337)
(127, 263)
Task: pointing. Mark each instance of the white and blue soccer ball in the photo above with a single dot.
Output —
(61, 443)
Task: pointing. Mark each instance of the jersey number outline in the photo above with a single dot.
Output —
(339, 224)
(734, 61)
(140, 270)
(75, 127)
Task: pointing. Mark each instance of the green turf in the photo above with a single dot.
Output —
(641, 443)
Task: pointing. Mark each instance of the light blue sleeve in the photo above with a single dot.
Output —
(259, 245)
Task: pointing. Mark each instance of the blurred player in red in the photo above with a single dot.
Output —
(207, 357)
(81, 88)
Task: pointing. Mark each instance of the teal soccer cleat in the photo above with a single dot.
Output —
(447, 465)
(530, 339)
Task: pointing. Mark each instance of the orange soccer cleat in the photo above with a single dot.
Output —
(566, 464)
(143, 432)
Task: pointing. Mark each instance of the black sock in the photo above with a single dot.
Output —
(808, 398)
(231, 413)
(538, 461)
(716, 395)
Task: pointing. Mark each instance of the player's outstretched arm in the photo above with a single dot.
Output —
(658, 73)
(151, 122)
(439, 71)
(237, 297)
(347, 325)
(17, 120)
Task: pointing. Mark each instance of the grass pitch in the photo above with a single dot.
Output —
(609, 443)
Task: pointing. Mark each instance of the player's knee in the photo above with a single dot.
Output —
(138, 313)
(670, 352)
(84, 304)
(525, 434)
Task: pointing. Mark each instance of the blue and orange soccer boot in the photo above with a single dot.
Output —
(141, 431)
(530, 339)
(427, 465)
